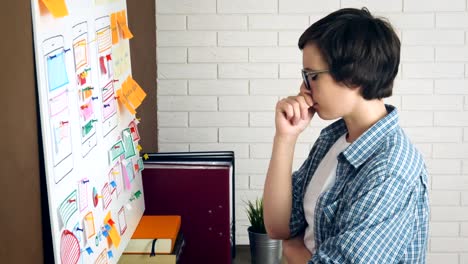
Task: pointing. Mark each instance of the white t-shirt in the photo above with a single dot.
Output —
(323, 179)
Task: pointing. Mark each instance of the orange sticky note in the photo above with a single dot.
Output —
(122, 22)
(87, 93)
(124, 101)
(58, 8)
(114, 237)
(133, 92)
(129, 93)
(114, 29)
(140, 93)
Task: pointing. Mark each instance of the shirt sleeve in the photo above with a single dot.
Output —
(375, 227)
(297, 222)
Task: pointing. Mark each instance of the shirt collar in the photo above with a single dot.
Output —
(364, 146)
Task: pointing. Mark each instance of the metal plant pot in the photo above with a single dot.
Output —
(263, 249)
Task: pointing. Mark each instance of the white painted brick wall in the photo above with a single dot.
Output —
(417, 54)
(218, 119)
(437, 258)
(413, 86)
(241, 150)
(172, 55)
(218, 87)
(289, 38)
(247, 70)
(277, 22)
(434, 5)
(171, 22)
(465, 198)
(223, 65)
(444, 229)
(247, 103)
(217, 22)
(307, 6)
(172, 119)
(433, 70)
(276, 54)
(452, 20)
(185, 38)
(376, 5)
(247, 6)
(445, 198)
(187, 103)
(433, 37)
(181, 71)
(459, 86)
(452, 53)
(280, 87)
(172, 87)
(214, 54)
(246, 39)
(409, 20)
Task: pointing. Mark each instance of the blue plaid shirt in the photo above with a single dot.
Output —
(377, 211)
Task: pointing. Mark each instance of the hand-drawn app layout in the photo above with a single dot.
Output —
(59, 141)
(106, 74)
(85, 88)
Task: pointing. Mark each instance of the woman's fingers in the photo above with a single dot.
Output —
(286, 108)
(295, 108)
(308, 99)
(304, 106)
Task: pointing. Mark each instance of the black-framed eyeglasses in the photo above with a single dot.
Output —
(309, 76)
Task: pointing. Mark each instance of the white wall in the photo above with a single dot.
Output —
(223, 64)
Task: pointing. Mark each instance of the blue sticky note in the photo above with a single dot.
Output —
(109, 253)
(113, 184)
(108, 227)
(89, 250)
(56, 71)
(104, 233)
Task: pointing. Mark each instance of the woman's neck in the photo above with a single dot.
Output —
(364, 115)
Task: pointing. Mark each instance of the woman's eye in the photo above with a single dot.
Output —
(314, 77)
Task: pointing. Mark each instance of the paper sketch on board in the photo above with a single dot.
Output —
(58, 106)
(85, 88)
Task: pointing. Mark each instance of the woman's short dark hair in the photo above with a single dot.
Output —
(360, 50)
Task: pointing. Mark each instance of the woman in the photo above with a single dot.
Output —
(361, 195)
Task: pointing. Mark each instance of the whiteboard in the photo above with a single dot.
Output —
(90, 141)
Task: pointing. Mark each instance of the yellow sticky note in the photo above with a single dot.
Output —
(122, 22)
(114, 236)
(114, 29)
(58, 8)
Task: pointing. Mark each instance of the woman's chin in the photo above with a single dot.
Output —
(324, 115)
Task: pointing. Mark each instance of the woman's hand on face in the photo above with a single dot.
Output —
(294, 113)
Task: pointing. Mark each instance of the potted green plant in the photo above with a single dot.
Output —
(263, 249)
